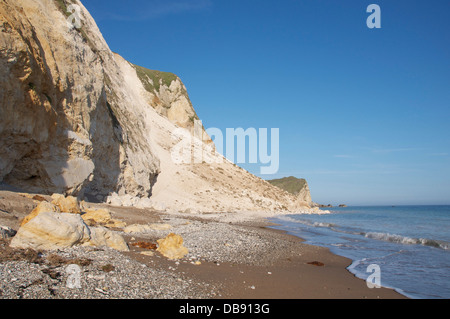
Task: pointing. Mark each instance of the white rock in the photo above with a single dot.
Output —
(50, 231)
(100, 236)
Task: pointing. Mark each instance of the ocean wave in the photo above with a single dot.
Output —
(318, 224)
(408, 240)
(393, 238)
(305, 222)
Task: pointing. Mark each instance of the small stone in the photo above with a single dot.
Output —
(316, 263)
(147, 253)
(6, 232)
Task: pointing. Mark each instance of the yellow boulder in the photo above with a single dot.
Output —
(101, 216)
(41, 207)
(172, 247)
(96, 216)
(101, 236)
(67, 204)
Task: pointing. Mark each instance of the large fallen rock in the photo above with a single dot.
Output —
(41, 207)
(67, 204)
(51, 231)
(172, 247)
(100, 236)
(101, 216)
(96, 216)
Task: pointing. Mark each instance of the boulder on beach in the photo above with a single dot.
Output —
(51, 231)
(100, 236)
(96, 216)
(67, 204)
(43, 206)
(47, 228)
(172, 247)
(101, 216)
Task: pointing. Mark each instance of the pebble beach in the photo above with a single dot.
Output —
(230, 256)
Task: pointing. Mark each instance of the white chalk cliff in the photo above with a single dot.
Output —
(78, 119)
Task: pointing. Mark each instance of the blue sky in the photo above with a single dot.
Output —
(363, 113)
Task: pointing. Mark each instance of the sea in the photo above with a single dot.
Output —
(406, 247)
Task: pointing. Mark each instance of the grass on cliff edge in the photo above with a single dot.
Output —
(157, 77)
(63, 7)
(290, 184)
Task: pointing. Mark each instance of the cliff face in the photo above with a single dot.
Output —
(166, 93)
(79, 119)
(65, 125)
(296, 186)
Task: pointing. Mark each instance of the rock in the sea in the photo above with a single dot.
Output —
(67, 204)
(50, 231)
(172, 247)
(100, 236)
(41, 207)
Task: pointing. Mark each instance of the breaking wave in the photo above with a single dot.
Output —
(408, 240)
(306, 222)
(393, 238)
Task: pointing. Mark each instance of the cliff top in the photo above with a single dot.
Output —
(290, 184)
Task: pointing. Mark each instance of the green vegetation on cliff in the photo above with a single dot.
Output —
(153, 79)
(290, 184)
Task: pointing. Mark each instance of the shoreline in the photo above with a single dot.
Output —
(350, 261)
(231, 256)
(336, 280)
(281, 273)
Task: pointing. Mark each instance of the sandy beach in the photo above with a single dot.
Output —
(231, 256)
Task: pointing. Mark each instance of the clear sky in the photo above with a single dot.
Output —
(363, 113)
